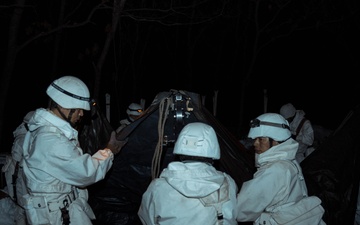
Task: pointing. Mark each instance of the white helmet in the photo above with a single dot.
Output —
(287, 110)
(69, 92)
(270, 125)
(134, 109)
(198, 139)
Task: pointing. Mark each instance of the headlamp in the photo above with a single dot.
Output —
(256, 123)
(136, 110)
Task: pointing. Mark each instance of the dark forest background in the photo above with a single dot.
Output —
(249, 56)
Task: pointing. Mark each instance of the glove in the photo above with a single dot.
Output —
(114, 145)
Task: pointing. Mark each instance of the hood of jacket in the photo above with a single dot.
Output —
(193, 179)
(299, 115)
(44, 117)
(284, 151)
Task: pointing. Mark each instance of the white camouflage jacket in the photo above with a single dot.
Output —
(277, 194)
(56, 169)
(189, 193)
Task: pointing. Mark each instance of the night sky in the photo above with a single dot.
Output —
(315, 68)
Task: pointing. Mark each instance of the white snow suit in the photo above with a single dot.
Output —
(277, 194)
(57, 172)
(189, 193)
(305, 136)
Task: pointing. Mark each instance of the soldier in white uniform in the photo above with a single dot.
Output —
(277, 194)
(191, 191)
(133, 112)
(301, 130)
(56, 170)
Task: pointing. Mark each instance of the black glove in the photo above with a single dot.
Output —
(114, 145)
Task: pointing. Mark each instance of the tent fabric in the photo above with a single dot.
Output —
(150, 141)
(95, 130)
(332, 171)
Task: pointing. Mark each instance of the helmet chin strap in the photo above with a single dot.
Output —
(271, 142)
(68, 119)
(130, 118)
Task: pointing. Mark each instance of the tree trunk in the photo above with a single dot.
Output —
(118, 7)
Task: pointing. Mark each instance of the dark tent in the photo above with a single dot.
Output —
(150, 141)
(332, 171)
